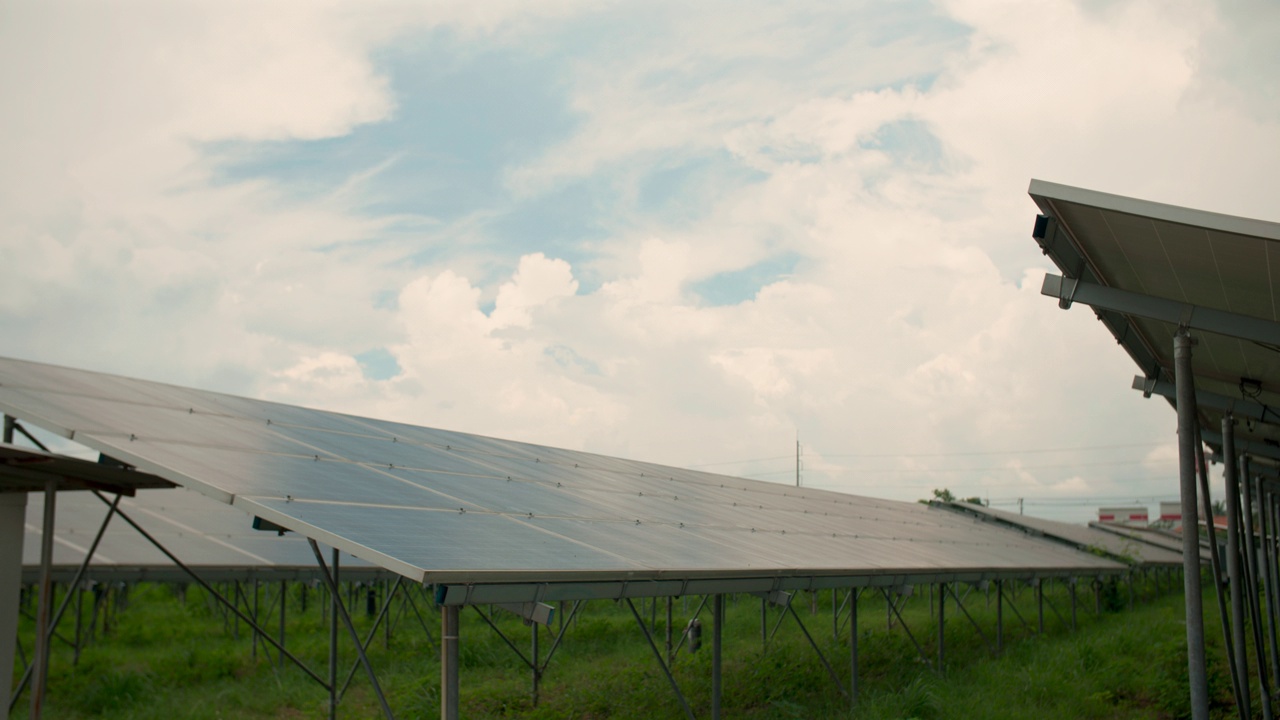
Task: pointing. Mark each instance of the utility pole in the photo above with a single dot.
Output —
(1019, 506)
(797, 461)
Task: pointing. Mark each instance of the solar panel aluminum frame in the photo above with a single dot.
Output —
(1148, 340)
(256, 451)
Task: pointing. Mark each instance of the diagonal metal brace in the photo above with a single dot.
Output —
(351, 628)
(905, 628)
(657, 655)
(972, 622)
(834, 678)
(209, 589)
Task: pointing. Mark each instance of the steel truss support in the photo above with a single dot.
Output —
(1266, 548)
(214, 593)
(893, 608)
(1045, 601)
(537, 665)
(685, 635)
(1236, 583)
(368, 641)
(657, 655)
(71, 589)
(1216, 563)
(1253, 587)
(974, 623)
(1014, 607)
(341, 610)
(790, 609)
(1184, 315)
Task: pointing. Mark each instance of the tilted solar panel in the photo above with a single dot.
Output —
(445, 507)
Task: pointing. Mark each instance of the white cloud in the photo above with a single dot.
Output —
(537, 281)
(910, 329)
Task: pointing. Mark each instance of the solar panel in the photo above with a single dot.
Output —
(214, 539)
(1083, 536)
(445, 507)
(1201, 259)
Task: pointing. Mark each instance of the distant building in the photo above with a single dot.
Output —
(1135, 515)
(1171, 512)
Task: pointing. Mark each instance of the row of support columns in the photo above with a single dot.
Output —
(34, 678)
(241, 606)
(1247, 587)
(946, 592)
(1251, 578)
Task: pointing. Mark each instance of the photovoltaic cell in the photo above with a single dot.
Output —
(446, 507)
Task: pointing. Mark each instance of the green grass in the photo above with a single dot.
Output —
(165, 658)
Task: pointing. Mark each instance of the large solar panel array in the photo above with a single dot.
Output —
(1082, 536)
(451, 508)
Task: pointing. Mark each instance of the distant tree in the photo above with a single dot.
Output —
(1219, 507)
(945, 495)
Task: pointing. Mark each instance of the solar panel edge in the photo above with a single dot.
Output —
(333, 540)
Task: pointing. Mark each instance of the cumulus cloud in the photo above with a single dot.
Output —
(883, 153)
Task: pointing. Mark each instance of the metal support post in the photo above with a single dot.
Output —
(449, 662)
(75, 589)
(1234, 573)
(764, 621)
(13, 513)
(1039, 607)
(284, 598)
(905, 628)
(656, 656)
(1219, 572)
(536, 653)
(1072, 585)
(999, 616)
(1268, 566)
(835, 615)
(332, 581)
(334, 602)
(254, 652)
(853, 646)
(41, 660)
(1253, 584)
(670, 602)
(717, 627)
(942, 626)
(1197, 674)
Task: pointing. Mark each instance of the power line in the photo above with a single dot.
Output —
(739, 462)
(996, 452)
(974, 453)
(989, 468)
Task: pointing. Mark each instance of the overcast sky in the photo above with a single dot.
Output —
(687, 233)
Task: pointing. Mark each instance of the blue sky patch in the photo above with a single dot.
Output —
(737, 286)
(378, 364)
(911, 143)
(462, 117)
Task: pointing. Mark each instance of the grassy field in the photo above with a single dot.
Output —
(169, 657)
